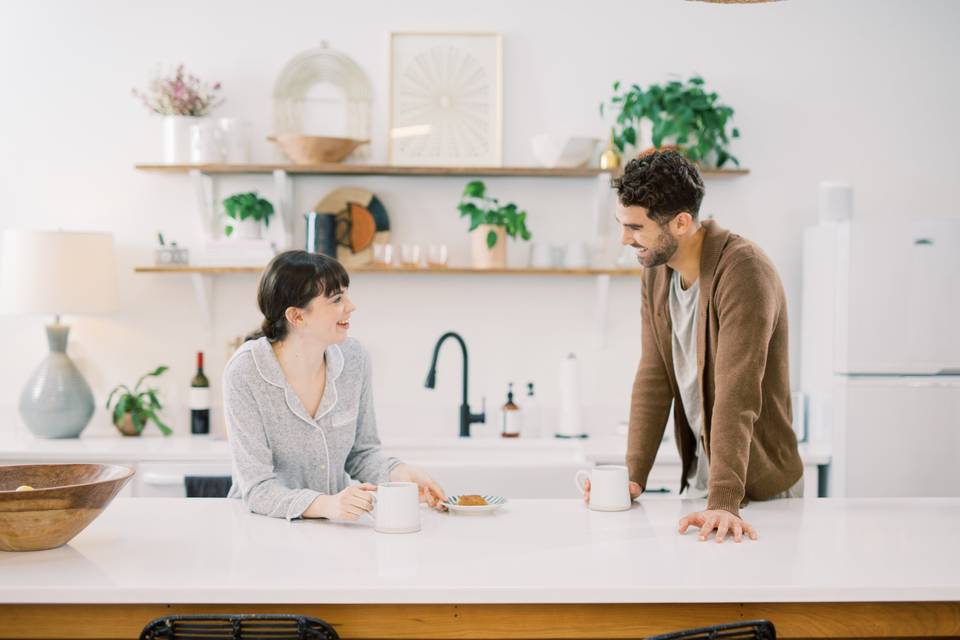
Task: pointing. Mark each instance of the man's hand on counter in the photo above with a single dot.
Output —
(430, 492)
(723, 521)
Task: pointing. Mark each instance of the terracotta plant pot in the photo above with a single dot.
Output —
(64, 499)
(126, 426)
(485, 257)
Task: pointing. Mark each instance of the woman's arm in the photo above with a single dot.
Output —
(365, 462)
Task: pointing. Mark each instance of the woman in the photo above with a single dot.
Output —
(298, 402)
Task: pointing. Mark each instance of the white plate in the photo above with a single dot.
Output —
(493, 502)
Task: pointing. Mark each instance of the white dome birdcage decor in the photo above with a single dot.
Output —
(321, 92)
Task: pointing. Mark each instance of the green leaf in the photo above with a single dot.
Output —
(160, 425)
(138, 422)
(474, 189)
(491, 239)
(121, 408)
(467, 209)
(154, 402)
(476, 219)
(630, 135)
(616, 86)
(156, 372)
(736, 132)
(228, 230)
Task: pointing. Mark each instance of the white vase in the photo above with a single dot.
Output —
(249, 229)
(176, 138)
(485, 257)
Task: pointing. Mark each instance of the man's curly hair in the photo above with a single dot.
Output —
(663, 182)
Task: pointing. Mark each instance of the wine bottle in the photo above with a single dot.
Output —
(199, 400)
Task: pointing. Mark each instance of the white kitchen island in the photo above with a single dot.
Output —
(536, 568)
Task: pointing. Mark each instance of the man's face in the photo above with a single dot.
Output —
(654, 245)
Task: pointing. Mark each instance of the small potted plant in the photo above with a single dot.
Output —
(679, 114)
(136, 408)
(247, 211)
(182, 99)
(490, 223)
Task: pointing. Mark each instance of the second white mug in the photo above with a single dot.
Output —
(609, 487)
(397, 507)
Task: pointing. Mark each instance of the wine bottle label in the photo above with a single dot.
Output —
(199, 398)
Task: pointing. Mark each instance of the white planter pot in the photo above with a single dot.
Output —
(485, 257)
(249, 229)
(176, 138)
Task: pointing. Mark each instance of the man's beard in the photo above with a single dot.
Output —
(657, 255)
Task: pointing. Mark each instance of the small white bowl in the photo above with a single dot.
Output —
(553, 151)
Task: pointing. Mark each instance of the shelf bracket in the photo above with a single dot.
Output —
(283, 204)
(601, 309)
(206, 194)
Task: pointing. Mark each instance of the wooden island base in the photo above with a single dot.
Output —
(453, 621)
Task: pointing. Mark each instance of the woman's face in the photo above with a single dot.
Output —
(327, 318)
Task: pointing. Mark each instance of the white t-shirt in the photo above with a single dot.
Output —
(684, 305)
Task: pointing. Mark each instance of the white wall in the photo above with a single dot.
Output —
(865, 91)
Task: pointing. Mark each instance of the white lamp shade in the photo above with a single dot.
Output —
(57, 272)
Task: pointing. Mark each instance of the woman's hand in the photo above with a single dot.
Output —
(349, 504)
(430, 492)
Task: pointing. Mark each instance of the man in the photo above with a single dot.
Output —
(714, 344)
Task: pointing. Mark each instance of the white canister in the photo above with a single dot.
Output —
(176, 138)
(205, 143)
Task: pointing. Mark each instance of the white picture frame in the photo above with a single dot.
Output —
(446, 99)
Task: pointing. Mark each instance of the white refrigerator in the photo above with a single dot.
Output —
(881, 354)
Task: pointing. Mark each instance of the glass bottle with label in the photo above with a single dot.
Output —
(512, 417)
(199, 400)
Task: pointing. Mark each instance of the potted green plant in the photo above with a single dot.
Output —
(136, 408)
(681, 114)
(490, 224)
(246, 211)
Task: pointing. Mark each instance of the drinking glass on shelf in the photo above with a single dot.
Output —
(437, 256)
(410, 255)
(382, 254)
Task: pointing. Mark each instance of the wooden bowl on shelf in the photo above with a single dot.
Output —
(59, 501)
(315, 149)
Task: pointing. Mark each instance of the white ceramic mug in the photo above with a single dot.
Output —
(397, 507)
(609, 487)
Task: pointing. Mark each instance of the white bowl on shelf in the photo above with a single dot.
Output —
(554, 150)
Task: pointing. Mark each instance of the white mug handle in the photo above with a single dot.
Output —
(581, 480)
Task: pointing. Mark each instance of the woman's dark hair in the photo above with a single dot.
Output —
(664, 183)
(293, 279)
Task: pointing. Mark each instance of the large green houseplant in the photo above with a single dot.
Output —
(490, 223)
(136, 408)
(683, 113)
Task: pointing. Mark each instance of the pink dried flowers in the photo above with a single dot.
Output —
(182, 94)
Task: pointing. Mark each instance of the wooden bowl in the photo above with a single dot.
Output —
(65, 499)
(315, 149)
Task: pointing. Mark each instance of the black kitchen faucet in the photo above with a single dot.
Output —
(466, 417)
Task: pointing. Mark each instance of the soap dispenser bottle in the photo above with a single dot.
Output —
(512, 417)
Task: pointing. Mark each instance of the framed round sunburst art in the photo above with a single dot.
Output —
(446, 96)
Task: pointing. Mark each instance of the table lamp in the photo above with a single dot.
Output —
(57, 272)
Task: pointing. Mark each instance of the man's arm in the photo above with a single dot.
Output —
(748, 306)
(650, 400)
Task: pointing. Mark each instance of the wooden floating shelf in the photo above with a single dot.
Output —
(215, 270)
(336, 168)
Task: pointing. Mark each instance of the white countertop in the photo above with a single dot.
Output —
(531, 551)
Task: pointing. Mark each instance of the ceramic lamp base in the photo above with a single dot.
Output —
(57, 402)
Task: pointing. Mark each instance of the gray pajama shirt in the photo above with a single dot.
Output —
(284, 458)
